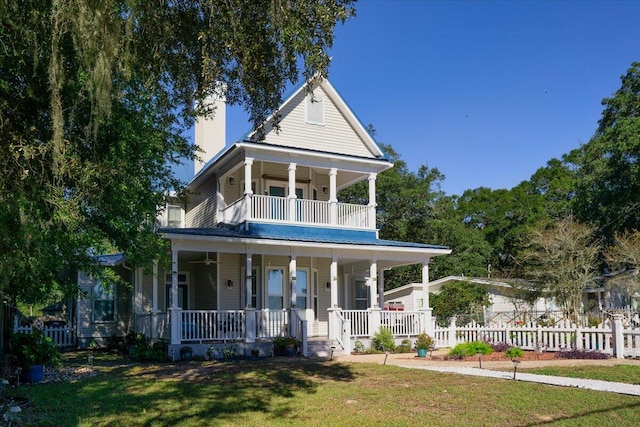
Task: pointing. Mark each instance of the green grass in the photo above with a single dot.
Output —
(629, 374)
(298, 392)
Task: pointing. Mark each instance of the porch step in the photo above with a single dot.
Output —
(322, 348)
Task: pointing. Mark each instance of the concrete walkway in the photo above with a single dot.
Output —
(613, 387)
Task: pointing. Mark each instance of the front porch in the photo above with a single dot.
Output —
(251, 327)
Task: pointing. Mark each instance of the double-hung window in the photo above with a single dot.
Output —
(104, 302)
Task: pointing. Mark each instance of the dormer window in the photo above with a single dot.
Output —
(315, 109)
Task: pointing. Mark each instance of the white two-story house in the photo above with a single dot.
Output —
(261, 246)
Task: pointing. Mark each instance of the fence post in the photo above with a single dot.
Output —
(176, 325)
(374, 321)
(452, 332)
(346, 337)
(618, 337)
(579, 344)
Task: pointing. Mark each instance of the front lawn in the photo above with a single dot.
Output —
(301, 392)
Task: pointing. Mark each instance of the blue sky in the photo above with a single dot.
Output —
(485, 91)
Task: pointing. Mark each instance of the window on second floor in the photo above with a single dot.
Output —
(174, 216)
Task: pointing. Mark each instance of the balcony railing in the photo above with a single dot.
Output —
(275, 209)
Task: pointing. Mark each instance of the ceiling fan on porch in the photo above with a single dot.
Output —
(206, 261)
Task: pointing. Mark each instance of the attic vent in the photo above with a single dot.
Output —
(315, 109)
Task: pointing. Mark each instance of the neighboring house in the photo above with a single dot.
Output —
(261, 246)
(412, 295)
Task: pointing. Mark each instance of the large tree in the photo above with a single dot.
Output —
(623, 259)
(609, 164)
(562, 258)
(95, 97)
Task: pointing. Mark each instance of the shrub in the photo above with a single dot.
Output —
(514, 352)
(358, 347)
(404, 347)
(581, 354)
(500, 346)
(463, 350)
(35, 349)
(383, 340)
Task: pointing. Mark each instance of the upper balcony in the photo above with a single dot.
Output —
(293, 211)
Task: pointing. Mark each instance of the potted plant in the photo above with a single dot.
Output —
(186, 353)
(285, 345)
(33, 352)
(423, 344)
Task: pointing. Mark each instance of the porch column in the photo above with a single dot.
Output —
(293, 319)
(428, 326)
(333, 196)
(248, 162)
(248, 284)
(372, 201)
(249, 311)
(333, 269)
(154, 300)
(335, 326)
(292, 281)
(292, 191)
(373, 279)
(381, 288)
(176, 315)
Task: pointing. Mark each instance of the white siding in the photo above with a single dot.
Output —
(336, 135)
(201, 207)
(87, 329)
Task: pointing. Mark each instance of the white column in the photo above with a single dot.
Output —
(334, 282)
(248, 280)
(372, 201)
(174, 279)
(335, 325)
(292, 192)
(292, 281)
(428, 326)
(373, 288)
(425, 284)
(154, 300)
(249, 310)
(176, 315)
(333, 196)
(154, 286)
(248, 162)
(381, 288)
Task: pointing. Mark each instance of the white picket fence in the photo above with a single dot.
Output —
(63, 336)
(563, 336)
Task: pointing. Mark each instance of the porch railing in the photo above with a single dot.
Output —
(270, 323)
(359, 320)
(206, 325)
(153, 325)
(403, 323)
(309, 212)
